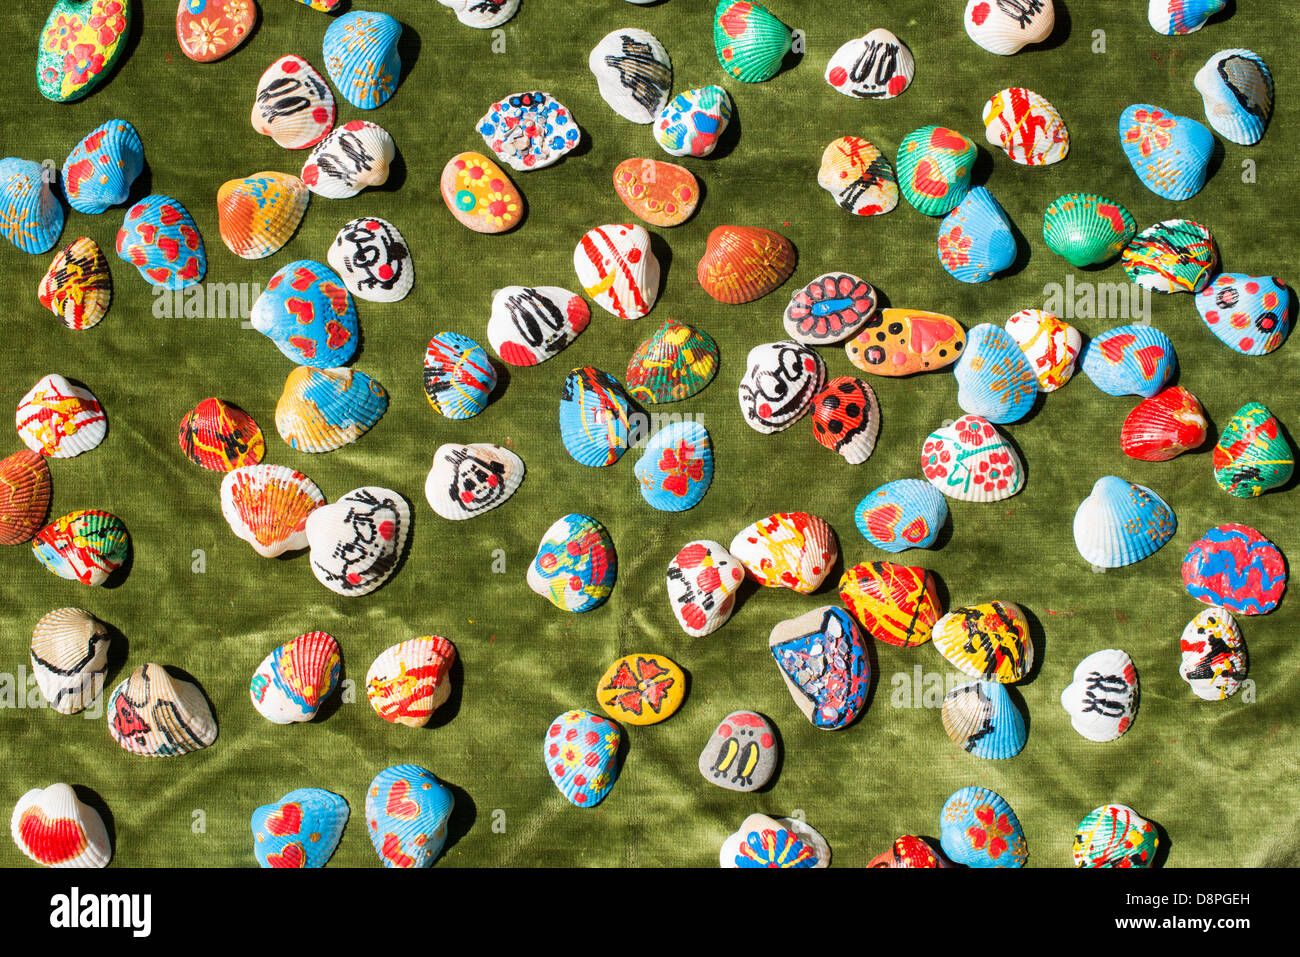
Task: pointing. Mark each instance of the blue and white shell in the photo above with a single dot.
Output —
(994, 379)
(1169, 153)
(1237, 89)
(903, 514)
(459, 378)
(676, 468)
(979, 829)
(1249, 314)
(594, 411)
(407, 810)
(975, 241)
(302, 829)
(981, 717)
(30, 216)
(308, 313)
(1129, 360)
(581, 754)
(361, 57)
(99, 172)
(1120, 523)
(576, 566)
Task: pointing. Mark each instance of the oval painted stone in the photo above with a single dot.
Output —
(207, 30)
(641, 689)
(1177, 255)
(899, 342)
(676, 468)
(1050, 344)
(1102, 697)
(824, 662)
(480, 195)
(529, 130)
(79, 45)
(972, 461)
(741, 753)
(896, 604)
(1129, 360)
(1213, 655)
(787, 550)
(979, 829)
(662, 194)
(858, 176)
(829, 309)
(989, 641)
(309, 314)
(1236, 567)
(702, 581)
(575, 566)
(1249, 314)
(1252, 455)
(994, 378)
(934, 168)
(903, 514)
(580, 750)
(530, 324)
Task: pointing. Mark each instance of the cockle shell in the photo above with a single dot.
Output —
(1114, 835)
(60, 420)
(1252, 454)
(302, 829)
(693, 121)
(260, 213)
(642, 689)
(1120, 523)
(1237, 89)
(53, 827)
(618, 270)
(1235, 567)
(81, 42)
(308, 313)
(325, 409)
(994, 378)
(25, 491)
(673, 364)
(1177, 17)
(580, 751)
(676, 468)
(741, 753)
(357, 542)
(221, 437)
(975, 241)
(778, 386)
(934, 167)
(411, 680)
(69, 656)
(979, 829)
(467, 480)
(744, 263)
(1026, 127)
(981, 718)
(407, 813)
(846, 418)
(208, 30)
(1129, 360)
(267, 506)
(293, 105)
(155, 715)
(362, 58)
(793, 550)
(702, 581)
(373, 260)
(530, 324)
(971, 461)
(1086, 229)
(859, 177)
(662, 194)
(159, 237)
(1102, 698)
(482, 14)
(878, 66)
(825, 665)
(896, 604)
(1005, 26)
(829, 309)
(459, 378)
(633, 72)
(78, 287)
(1249, 314)
(1214, 656)
(575, 566)
(480, 195)
(989, 641)
(749, 40)
(1169, 153)
(292, 681)
(529, 131)
(899, 342)
(98, 173)
(767, 842)
(909, 851)
(353, 156)
(1177, 255)
(1050, 344)
(1164, 426)
(903, 514)
(30, 216)
(594, 410)
(86, 546)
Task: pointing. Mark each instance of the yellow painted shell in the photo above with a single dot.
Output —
(989, 641)
(260, 213)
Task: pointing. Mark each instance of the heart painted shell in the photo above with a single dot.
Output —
(975, 241)
(778, 386)
(749, 40)
(829, 309)
(676, 468)
(221, 437)
(258, 214)
(989, 641)
(617, 268)
(85, 546)
(309, 314)
(1114, 835)
(411, 680)
(846, 418)
(325, 409)
(1120, 523)
(99, 171)
(1102, 697)
(1237, 89)
(459, 378)
(575, 566)
(467, 480)
(675, 363)
(53, 827)
(793, 550)
(530, 130)
(1026, 127)
(744, 263)
(156, 715)
(702, 582)
(1252, 455)
(361, 56)
(69, 656)
(824, 662)
(934, 167)
(358, 542)
(858, 176)
(979, 829)
(1177, 255)
(302, 829)
(1234, 566)
(32, 217)
(981, 719)
(903, 514)
(530, 324)
(292, 681)
(407, 813)
(693, 121)
(25, 492)
(1164, 426)
(1213, 655)
(267, 506)
(896, 604)
(293, 104)
(350, 158)
(994, 378)
(1086, 229)
(878, 66)
(159, 237)
(1129, 360)
(78, 287)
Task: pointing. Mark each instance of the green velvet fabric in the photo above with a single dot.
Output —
(1219, 778)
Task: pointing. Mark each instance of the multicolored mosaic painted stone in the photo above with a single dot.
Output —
(1164, 426)
(934, 167)
(350, 158)
(1102, 698)
(208, 30)
(292, 681)
(357, 542)
(60, 420)
(908, 851)
(846, 418)
(1050, 344)
(1169, 153)
(411, 680)
(308, 313)
(581, 755)
(744, 263)
(899, 342)
(1114, 835)
(903, 514)
(293, 104)
(741, 753)
(30, 216)
(1026, 127)
(1177, 255)
(618, 270)
(981, 719)
(361, 57)
(1237, 89)
(529, 131)
(676, 468)
(1120, 523)
(467, 480)
(878, 66)
(80, 44)
(530, 324)
(1005, 26)
(373, 260)
(858, 176)
(159, 237)
(1249, 314)
(633, 72)
(480, 195)
(662, 194)
(693, 121)
(824, 662)
(25, 491)
(994, 378)
(975, 240)
(787, 550)
(98, 173)
(594, 423)
(1179, 17)
(1213, 655)
(1235, 567)
(302, 829)
(459, 378)
(575, 566)
(989, 641)
(267, 506)
(55, 828)
(829, 309)
(702, 581)
(641, 689)
(1129, 360)
(220, 437)
(155, 715)
(673, 364)
(1085, 229)
(325, 409)
(767, 842)
(78, 287)
(407, 813)
(749, 40)
(971, 461)
(897, 604)
(979, 829)
(1252, 454)
(257, 215)
(778, 386)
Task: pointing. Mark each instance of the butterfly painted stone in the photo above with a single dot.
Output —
(1249, 314)
(641, 689)
(823, 659)
(580, 750)
(309, 314)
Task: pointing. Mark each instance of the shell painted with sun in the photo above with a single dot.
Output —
(744, 263)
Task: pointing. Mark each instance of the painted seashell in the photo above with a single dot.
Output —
(361, 57)
(899, 342)
(1169, 153)
(693, 121)
(662, 194)
(896, 604)
(675, 363)
(482, 14)
(594, 411)
(1114, 835)
(878, 66)
(32, 218)
(641, 689)
(634, 74)
(373, 260)
(846, 418)
(221, 437)
(353, 156)
(260, 213)
(55, 828)
(581, 755)
(25, 491)
(86, 546)
(1237, 89)
(80, 44)
(459, 378)
(744, 263)
(1005, 26)
(934, 167)
(766, 842)
(159, 238)
(69, 657)
(411, 680)
(979, 829)
(1250, 314)
(325, 409)
(829, 309)
(467, 480)
(155, 715)
(971, 461)
(1252, 454)
(292, 681)
(267, 506)
(1120, 523)
(530, 130)
(575, 566)
(975, 241)
(618, 269)
(1050, 344)
(1129, 360)
(903, 514)
(1177, 255)
(1164, 426)
(1085, 229)
(824, 662)
(858, 176)
(302, 829)
(1214, 656)
(989, 641)
(208, 30)
(407, 812)
(308, 313)
(60, 420)
(981, 719)
(676, 468)
(994, 377)
(1177, 17)
(293, 105)
(530, 324)
(357, 542)
(749, 40)
(703, 579)
(780, 381)
(1102, 698)
(1237, 568)
(78, 287)
(793, 550)
(909, 851)
(98, 173)
(741, 753)
(1026, 127)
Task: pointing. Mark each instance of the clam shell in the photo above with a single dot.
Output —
(780, 381)
(1249, 314)
(749, 40)
(411, 680)
(846, 418)
(1252, 454)
(633, 72)
(676, 468)
(594, 413)
(25, 491)
(994, 378)
(32, 217)
(155, 715)
(267, 506)
(361, 57)
(971, 461)
(1164, 426)
(159, 237)
(373, 260)
(1214, 656)
(825, 665)
(675, 363)
(1026, 127)
(989, 641)
(1129, 360)
(617, 268)
(981, 718)
(357, 542)
(903, 514)
(60, 420)
(934, 167)
(1177, 255)
(467, 480)
(878, 66)
(221, 437)
(899, 342)
(353, 156)
(78, 287)
(458, 375)
(482, 14)
(1169, 153)
(580, 750)
(829, 309)
(99, 171)
(53, 827)
(325, 409)
(1237, 89)
(742, 752)
(1235, 567)
(979, 829)
(575, 566)
(744, 263)
(529, 130)
(293, 104)
(896, 604)
(662, 194)
(308, 313)
(793, 550)
(858, 176)
(407, 811)
(693, 121)
(208, 30)
(1050, 344)
(642, 689)
(260, 213)
(1102, 699)
(975, 241)
(292, 681)
(1005, 26)
(81, 42)
(302, 829)
(909, 851)
(1114, 835)
(85, 546)
(530, 324)
(767, 842)
(1086, 229)
(480, 195)
(1177, 17)
(1120, 523)
(69, 656)
(702, 581)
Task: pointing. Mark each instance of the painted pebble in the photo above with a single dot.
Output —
(741, 753)
(480, 196)
(641, 689)
(899, 342)
(824, 662)
(662, 194)
(529, 131)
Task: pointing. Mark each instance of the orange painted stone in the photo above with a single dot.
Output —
(480, 195)
(663, 194)
(207, 30)
(899, 342)
(744, 263)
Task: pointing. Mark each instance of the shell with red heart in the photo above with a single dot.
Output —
(55, 828)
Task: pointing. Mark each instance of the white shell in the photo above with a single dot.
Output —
(761, 822)
(618, 269)
(356, 543)
(779, 383)
(59, 802)
(158, 716)
(634, 74)
(373, 260)
(468, 480)
(702, 582)
(1214, 656)
(878, 66)
(69, 656)
(1102, 698)
(482, 14)
(46, 426)
(353, 156)
(530, 324)
(262, 490)
(1004, 26)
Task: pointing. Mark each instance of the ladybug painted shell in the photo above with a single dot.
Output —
(829, 309)
(159, 237)
(308, 313)
(846, 418)
(221, 437)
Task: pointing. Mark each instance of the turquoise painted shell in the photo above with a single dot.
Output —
(302, 829)
(903, 514)
(407, 811)
(934, 166)
(677, 467)
(1169, 153)
(99, 172)
(309, 314)
(1129, 360)
(994, 379)
(749, 40)
(361, 57)
(1086, 229)
(30, 216)
(1249, 314)
(982, 719)
(458, 375)
(581, 754)
(1120, 523)
(325, 409)
(979, 829)
(1177, 255)
(594, 413)
(1114, 835)
(1178, 17)
(1237, 89)
(159, 237)
(575, 566)
(975, 241)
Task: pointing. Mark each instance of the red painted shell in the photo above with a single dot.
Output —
(220, 437)
(1164, 426)
(744, 263)
(909, 851)
(846, 418)
(24, 496)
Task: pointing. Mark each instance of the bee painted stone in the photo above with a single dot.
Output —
(642, 689)
(1129, 360)
(356, 542)
(702, 582)
(575, 566)
(1102, 697)
(1026, 127)
(741, 753)
(1237, 89)
(779, 385)
(824, 662)
(459, 378)
(899, 342)
(529, 131)
(530, 324)
(634, 74)
(858, 176)
(1169, 153)
(81, 42)
(693, 121)
(979, 829)
(293, 104)
(159, 237)
(581, 755)
(1235, 567)
(1249, 314)
(309, 314)
(903, 514)
(877, 66)
(99, 172)
(467, 480)
(1214, 656)
(373, 260)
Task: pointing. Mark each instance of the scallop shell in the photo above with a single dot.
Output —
(971, 461)
(702, 581)
(1169, 153)
(1214, 656)
(744, 263)
(99, 171)
(975, 241)
(86, 546)
(909, 851)
(159, 237)
(793, 550)
(308, 313)
(979, 829)
(482, 14)
(859, 177)
(30, 216)
(1086, 229)
(617, 268)
(1050, 344)
(361, 56)
(78, 287)
(675, 363)
(267, 506)
(411, 680)
(693, 121)
(1114, 835)
(155, 715)
(934, 167)
(897, 604)
(53, 827)
(458, 375)
(302, 829)
(357, 542)
(1129, 360)
(292, 681)
(825, 665)
(25, 491)
(1249, 314)
(981, 718)
(903, 514)
(1005, 26)
(1102, 699)
(81, 42)
(69, 656)
(1120, 523)
(749, 40)
(529, 130)
(1177, 17)
(1164, 426)
(594, 425)
(60, 420)
(325, 409)
(989, 641)
(353, 156)
(467, 480)
(1236, 567)
(1252, 454)
(878, 66)
(829, 309)
(767, 842)
(1026, 127)
(580, 750)
(994, 378)
(407, 812)
(221, 437)
(530, 324)
(258, 214)
(676, 468)
(575, 566)
(293, 104)
(1237, 89)
(373, 260)
(846, 418)
(1177, 255)
(780, 381)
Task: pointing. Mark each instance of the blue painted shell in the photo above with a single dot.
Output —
(159, 237)
(907, 513)
(1237, 88)
(361, 57)
(99, 172)
(581, 754)
(1169, 153)
(677, 467)
(594, 417)
(324, 409)
(407, 811)
(309, 314)
(575, 566)
(1249, 314)
(994, 379)
(1129, 360)
(1178, 17)
(979, 829)
(983, 720)
(975, 241)
(30, 217)
(458, 375)
(1120, 523)
(302, 829)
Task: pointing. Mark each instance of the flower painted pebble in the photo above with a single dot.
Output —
(1237, 89)
(971, 461)
(353, 156)
(1129, 360)
(1102, 697)
(741, 753)
(749, 40)
(575, 566)
(846, 418)
(824, 662)
(829, 309)
(411, 680)
(357, 542)
(1120, 523)
(594, 417)
(80, 44)
(407, 813)
(155, 715)
(778, 386)
(1249, 314)
(1169, 153)
(1164, 426)
(467, 480)
(292, 681)
(975, 241)
(581, 755)
(325, 409)
(99, 172)
(675, 363)
(1237, 568)
(459, 378)
(267, 506)
(787, 550)
(361, 57)
(634, 74)
(641, 689)
(69, 656)
(302, 829)
(1114, 835)
(899, 342)
(702, 581)
(529, 131)
(480, 196)
(896, 604)
(159, 237)
(858, 176)
(878, 66)
(293, 104)
(989, 641)
(693, 121)
(208, 30)
(1085, 229)
(1214, 656)
(994, 378)
(53, 827)
(662, 194)
(78, 287)
(31, 217)
(1050, 344)
(530, 324)
(934, 168)
(903, 514)
(1005, 26)
(676, 468)
(220, 437)
(60, 420)
(373, 260)
(1177, 255)
(309, 314)
(979, 829)
(1026, 127)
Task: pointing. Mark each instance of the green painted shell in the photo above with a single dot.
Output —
(750, 41)
(673, 364)
(1086, 229)
(1115, 835)
(934, 167)
(1252, 455)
